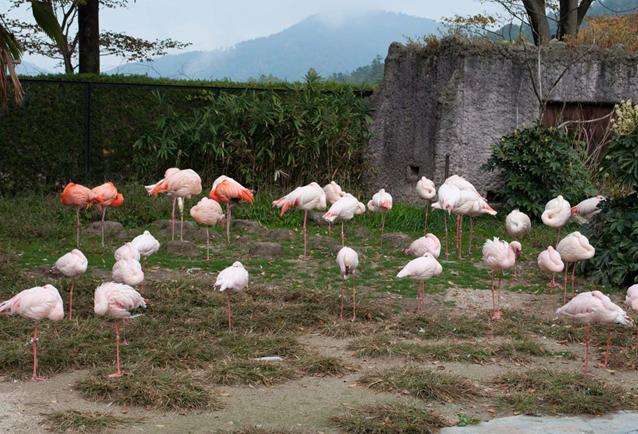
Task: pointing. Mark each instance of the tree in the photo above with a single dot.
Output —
(69, 29)
(10, 53)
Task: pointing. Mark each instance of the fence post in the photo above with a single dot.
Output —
(88, 89)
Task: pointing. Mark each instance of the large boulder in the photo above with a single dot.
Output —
(110, 228)
(267, 250)
(187, 249)
(323, 242)
(281, 235)
(397, 240)
(250, 226)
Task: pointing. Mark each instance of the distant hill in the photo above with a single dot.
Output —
(329, 44)
(28, 68)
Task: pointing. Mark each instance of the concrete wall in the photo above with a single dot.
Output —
(457, 99)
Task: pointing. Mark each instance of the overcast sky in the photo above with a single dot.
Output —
(210, 24)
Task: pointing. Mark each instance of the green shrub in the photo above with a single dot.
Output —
(536, 165)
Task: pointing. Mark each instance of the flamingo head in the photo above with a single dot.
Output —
(517, 248)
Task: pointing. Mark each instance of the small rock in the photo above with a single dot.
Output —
(166, 225)
(110, 228)
(248, 225)
(182, 248)
(266, 250)
(317, 218)
(281, 235)
(325, 243)
(397, 240)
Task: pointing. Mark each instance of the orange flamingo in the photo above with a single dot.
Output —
(78, 196)
(103, 196)
(227, 190)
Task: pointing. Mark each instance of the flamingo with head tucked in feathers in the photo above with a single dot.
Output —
(517, 225)
(348, 261)
(574, 248)
(448, 196)
(179, 185)
(146, 244)
(104, 196)
(499, 255)
(427, 244)
(557, 214)
(593, 308)
(631, 300)
(117, 300)
(334, 192)
(207, 213)
(307, 198)
(233, 278)
(381, 202)
(549, 261)
(78, 196)
(227, 190)
(426, 190)
(344, 209)
(588, 208)
(41, 302)
(470, 204)
(72, 265)
(422, 268)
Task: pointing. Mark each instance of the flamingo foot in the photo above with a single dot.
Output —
(116, 375)
(496, 315)
(38, 378)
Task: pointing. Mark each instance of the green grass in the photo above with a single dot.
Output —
(149, 387)
(541, 391)
(421, 383)
(84, 421)
(389, 418)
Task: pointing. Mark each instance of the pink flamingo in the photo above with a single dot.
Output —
(78, 196)
(574, 248)
(588, 208)
(631, 300)
(381, 202)
(594, 307)
(146, 244)
(421, 269)
(448, 196)
(348, 261)
(333, 193)
(207, 213)
(103, 196)
(499, 255)
(72, 265)
(427, 191)
(517, 225)
(233, 278)
(427, 244)
(127, 251)
(471, 204)
(309, 197)
(344, 209)
(116, 300)
(128, 271)
(227, 190)
(557, 214)
(177, 184)
(41, 302)
(549, 261)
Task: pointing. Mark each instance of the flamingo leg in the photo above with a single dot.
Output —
(181, 225)
(34, 350)
(493, 294)
(354, 300)
(343, 236)
(574, 278)
(469, 247)
(71, 298)
(77, 227)
(124, 323)
(447, 250)
(229, 311)
(557, 235)
(329, 229)
(460, 237)
(340, 302)
(305, 234)
(421, 296)
(565, 283)
(586, 362)
(382, 230)
(228, 215)
(118, 366)
(173, 220)
(207, 244)
(427, 213)
(103, 216)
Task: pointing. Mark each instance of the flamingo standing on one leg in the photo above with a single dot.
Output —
(574, 248)
(207, 213)
(146, 244)
(233, 278)
(41, 302)
(381, 202)
(116, 301)
(422, 268)
(631, 300)
(227, 190)
(344, 209)
(470, 204)
(309, 197)
(179, 185)
(427, 191)
(499, 255)
(593, 308)
(78, 196)
(427, 244)
(333, 193)
(103, 196)
(479, 207)
(128, 272)
(517, 225)
(348, 260)
(557, 214)
(587, 209)
(549, 261)
(448, 196)
(72, 265)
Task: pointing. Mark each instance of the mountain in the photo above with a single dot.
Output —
(329, 44)
(28, 68)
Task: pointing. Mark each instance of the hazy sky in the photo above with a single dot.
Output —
(210, 24)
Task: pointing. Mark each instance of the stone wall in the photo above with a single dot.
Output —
(453, 101)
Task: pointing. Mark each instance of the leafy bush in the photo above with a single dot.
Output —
(537, 164)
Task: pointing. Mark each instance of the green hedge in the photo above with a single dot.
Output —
(42, 143)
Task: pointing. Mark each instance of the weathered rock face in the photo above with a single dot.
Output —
(447, 105)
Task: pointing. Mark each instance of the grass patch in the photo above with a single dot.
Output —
(541, 391)
(233, 371)
(421, 383)
(314, 364)
(389, 418)
(149, 387)
(84, 421)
